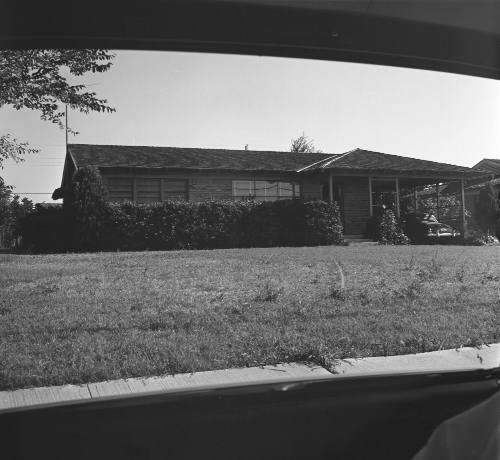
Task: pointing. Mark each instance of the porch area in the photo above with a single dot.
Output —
(363, 197)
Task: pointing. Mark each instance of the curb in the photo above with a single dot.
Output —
(466, 358)
(133, 386)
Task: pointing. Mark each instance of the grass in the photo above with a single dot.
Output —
(78, 318)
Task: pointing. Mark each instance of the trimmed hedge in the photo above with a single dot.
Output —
(186, 225)
(222, 224)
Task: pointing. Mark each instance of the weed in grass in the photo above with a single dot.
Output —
(435, 267)
(218, 298)
(491, 277)
(337, 293)
(460, 273)
(236, 311)
(268, 293)
(364, 298)
(410, 265)
(299, 309)
(413, 290)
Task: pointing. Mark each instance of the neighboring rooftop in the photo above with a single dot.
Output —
(480, 185)
(190, 158)
(491, 165)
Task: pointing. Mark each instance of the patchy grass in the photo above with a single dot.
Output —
(87, 317)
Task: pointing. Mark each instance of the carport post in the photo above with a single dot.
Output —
(398, 210)
(464, 222)
(437, 200)
(330, 187)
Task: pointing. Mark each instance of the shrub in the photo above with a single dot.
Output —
(45, 230)
(87, 209)
(478, 238)
(386, 229)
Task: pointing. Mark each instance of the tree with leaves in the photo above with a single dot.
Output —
(303, 145)
(12, 208)
(40, 80)
(87, 208)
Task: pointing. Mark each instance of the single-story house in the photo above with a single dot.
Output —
(360, 181)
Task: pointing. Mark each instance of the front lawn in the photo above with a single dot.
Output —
(79, 318)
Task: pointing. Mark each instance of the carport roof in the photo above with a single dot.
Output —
(360, 160)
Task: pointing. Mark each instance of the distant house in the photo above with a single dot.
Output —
(491, 168)
(489, 165)
(359, 180)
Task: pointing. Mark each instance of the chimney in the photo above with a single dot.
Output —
(246, 146)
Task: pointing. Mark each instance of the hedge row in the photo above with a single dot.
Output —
(187, 225)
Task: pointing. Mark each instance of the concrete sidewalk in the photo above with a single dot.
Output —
(465, 358)
(485, 357)
(121, 387)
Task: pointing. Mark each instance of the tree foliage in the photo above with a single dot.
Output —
(87, 208)
(303, 145)
(40, 80)
(12, 209)
(12, 149)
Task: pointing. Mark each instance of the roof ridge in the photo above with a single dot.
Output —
(200, 148)
(333, 157)
(320, 161)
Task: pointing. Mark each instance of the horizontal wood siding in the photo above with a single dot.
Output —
(355, 205)
(311, 188)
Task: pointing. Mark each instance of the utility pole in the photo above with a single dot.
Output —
(66, 125)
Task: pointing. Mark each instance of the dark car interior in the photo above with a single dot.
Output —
(366, 417)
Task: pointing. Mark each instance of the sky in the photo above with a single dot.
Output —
(227, 101)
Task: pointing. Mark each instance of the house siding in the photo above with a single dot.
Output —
(355, 204)
(310, 188)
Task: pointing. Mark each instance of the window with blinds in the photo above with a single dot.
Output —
(175, 189)
(148, 190)
(263, 190)
(120, 189)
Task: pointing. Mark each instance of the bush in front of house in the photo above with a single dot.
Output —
(386, 228)
(87, 209)
(46, 229)
(390, 231)
(220, 224)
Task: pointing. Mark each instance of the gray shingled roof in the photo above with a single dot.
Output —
(366, 160)
(176, 158)
(189, 158)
